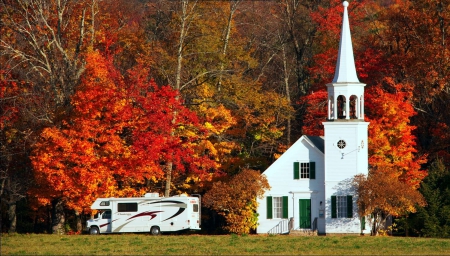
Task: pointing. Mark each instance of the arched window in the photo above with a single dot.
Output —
(341, 111)
(353, 107)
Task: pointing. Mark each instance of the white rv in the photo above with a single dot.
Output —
(150, 213)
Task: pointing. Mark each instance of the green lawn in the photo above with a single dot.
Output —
(134, 244)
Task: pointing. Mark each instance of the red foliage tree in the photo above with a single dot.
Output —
(316, 112)
(119, 136)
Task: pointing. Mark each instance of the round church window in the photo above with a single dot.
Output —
(341, 144)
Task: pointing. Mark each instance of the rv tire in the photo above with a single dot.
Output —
(155, 231)
(94, 231)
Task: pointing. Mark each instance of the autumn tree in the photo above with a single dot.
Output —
(121, 134)
(282, 38)
(235, 199)
(218, 122)
(391, 139)
(382, 196)
(261, 111)
(45, 39)
(215, 56)
(71, 161)
(41, 46)
(14, 143)
(413, 36)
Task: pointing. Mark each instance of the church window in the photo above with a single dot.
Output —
(341, 206)
(277, 207)
(341, 144)
(304, 170)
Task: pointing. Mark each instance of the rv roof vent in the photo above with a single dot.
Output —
(151, 195)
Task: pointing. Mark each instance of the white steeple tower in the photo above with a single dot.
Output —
(345, 67)
(345, 93)
(346, 153)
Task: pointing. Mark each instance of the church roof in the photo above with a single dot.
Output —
(345, 66)
(317, 141)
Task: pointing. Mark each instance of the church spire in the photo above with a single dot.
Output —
(345, 66)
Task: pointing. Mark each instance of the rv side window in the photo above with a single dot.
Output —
(127, 207)
(106, 215)
(195, 207)
(104, 203)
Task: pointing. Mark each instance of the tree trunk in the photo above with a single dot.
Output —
(12, 217)
(186, 17)
(58, 219)
(168, 179)
(233, 8)
(287, 89)
(374, 225)
(78, 221)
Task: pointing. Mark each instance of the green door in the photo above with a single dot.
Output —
(305, 213)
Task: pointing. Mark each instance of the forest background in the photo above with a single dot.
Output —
(117, 98)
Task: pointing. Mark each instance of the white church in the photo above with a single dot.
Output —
(310, 183)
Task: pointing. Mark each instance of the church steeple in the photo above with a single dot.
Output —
(345, 92)
(346, 137)
(345, 66)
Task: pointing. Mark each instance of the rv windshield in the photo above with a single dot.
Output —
(106, 215)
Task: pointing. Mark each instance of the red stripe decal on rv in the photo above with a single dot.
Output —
(107, 223)
(151, 214)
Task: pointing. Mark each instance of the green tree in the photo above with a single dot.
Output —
(433, 220)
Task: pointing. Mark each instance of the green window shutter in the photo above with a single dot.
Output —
(285, 207)
(312, 170)
(349, 207)
(333, 207)
(269, 207)
(363, 223)
(296, 170)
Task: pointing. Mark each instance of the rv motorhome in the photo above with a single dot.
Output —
(150, 213)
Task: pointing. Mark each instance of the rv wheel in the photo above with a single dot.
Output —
(155, 231)
(94, 231)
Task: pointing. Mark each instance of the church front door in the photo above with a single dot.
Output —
(305, 213)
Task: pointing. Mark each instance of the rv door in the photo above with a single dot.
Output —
(106, 219)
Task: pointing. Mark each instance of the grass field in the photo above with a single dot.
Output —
(135, 244)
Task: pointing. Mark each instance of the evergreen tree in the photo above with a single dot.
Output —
(433, 220)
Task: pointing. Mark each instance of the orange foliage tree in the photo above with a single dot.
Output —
(391, 139)
(235, 199)
(383, 196)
